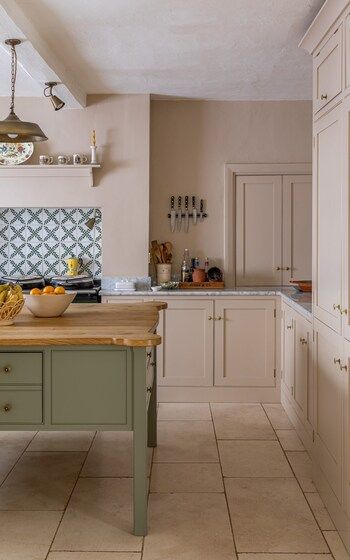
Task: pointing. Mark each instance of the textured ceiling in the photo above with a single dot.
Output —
(211, 49)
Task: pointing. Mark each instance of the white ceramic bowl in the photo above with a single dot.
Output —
(49, 306)
(156, 288)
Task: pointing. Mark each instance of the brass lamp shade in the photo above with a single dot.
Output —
(13, 130)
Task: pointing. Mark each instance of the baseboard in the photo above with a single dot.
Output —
(220, 394)
(302, 431)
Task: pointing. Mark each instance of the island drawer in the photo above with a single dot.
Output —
(21, 406)
(21, 368)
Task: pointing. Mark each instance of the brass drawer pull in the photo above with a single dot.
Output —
(344, 367)
(210, 318)
(152, 364)
(149, 354)
(289, 326)
(149, 389)
(6, 407)
(303, 340)
(336, 360)
(337, 306)
(278, 268)
(344, 311)
(218, 318)
(324, 96)
(7, 369)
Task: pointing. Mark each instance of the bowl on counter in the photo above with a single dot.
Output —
(302, 285)
(49, 305)
(156, 288)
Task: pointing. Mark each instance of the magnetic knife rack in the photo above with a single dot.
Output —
(200, 213)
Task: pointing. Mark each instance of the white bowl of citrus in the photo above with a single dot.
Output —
(49, 302)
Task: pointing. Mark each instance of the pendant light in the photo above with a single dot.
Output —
(12, 129)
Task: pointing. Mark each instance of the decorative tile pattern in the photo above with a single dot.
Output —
(38, 240)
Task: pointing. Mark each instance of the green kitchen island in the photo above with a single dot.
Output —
(94, 368)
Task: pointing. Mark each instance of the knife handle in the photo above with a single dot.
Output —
(186, 202)
(179, 201)
(202, 205)
(172, 202)
(193, 201)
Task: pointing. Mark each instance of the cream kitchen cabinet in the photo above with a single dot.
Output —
(244, 343)
(297, 374)
(186, 356)
(329, 396)
(327, 220)
(327, 78)
(273, 229)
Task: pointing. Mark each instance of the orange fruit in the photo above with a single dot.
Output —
(48, 294)
(60, 290)
(35, 292)
(48, 290)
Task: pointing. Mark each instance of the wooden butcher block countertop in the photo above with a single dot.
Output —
(88, 324)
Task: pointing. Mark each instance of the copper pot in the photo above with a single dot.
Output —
(198, 275)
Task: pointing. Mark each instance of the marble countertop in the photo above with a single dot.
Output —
(300, 301)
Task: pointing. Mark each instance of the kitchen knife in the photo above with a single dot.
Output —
(201, 210)
(172, 214)
(187, 217)
(179, 212)
(194, 210)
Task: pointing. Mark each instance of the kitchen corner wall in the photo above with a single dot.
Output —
(192, 140)
(122, 192)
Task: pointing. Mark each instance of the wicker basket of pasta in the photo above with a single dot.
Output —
(11, 303)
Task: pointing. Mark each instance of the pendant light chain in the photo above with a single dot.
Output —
(13, 77)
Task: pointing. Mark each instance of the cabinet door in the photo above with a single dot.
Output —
(346, 424)
(186, 355)
(302, 373)
(297, 228)
(245, 343)
(329, 405)
(288, 346)
(258, 230)
(327, 79)
(346, 220)
(327, 220)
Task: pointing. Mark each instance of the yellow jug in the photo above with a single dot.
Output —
(73, 264)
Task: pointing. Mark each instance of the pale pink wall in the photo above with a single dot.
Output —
(192, 140)
(122, 129)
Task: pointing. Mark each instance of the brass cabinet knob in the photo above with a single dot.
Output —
(336, 360)
(344, 311)
(152, 364)
(324, 96)
(218, 318)
(289, 326)
(303, 340)
(278, 268)
(149, 354)
(6, 407)
(6, 369)
(343, 367)
(337, 306)
(149, 389)
(210, 318)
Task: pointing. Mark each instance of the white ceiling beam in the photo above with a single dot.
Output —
(36, 57)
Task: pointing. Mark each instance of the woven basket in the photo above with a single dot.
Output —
(8, 312)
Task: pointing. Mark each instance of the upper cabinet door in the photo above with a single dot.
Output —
(346, 222)
(347, 51)
(327, 220)
(297, 228)
(258, 230)
(327, 80)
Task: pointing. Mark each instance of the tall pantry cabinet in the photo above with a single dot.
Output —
(328, 40)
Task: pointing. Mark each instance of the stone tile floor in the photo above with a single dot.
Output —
(228, 481)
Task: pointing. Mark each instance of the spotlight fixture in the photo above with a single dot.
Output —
(12, 129)
(56, 101)
(90, 223)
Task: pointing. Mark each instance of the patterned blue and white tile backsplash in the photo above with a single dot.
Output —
(38, 240)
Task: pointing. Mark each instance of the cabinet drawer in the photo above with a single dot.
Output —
(328, 71)
(21, 368)
(21, 406)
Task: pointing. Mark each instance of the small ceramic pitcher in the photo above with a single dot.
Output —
(163, 272)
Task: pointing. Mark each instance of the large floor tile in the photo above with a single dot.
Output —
(336, 545)
(61, 441)
(320, 512)
(184, 411)
(188, 527)
(241, 421)
(278, 417)
(111, 454)
(241, 458)
(27, 535)
(12, 445)
(272, 515)
(99, 518)
(185, 441)
(94, 556)
(41, 481)
(248, 556)
(302, 468)
(186, 477)
(290, 440)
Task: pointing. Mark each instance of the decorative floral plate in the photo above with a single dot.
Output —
(14, 154)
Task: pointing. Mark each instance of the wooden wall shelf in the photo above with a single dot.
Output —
(86, 170)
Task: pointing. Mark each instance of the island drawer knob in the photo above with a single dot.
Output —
(149, 389)
(7, 407)
(7, 369)
(149, 354)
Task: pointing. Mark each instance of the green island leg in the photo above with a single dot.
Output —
(140, 442)
(152, 414)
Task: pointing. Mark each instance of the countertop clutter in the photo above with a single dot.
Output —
(123, 325)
